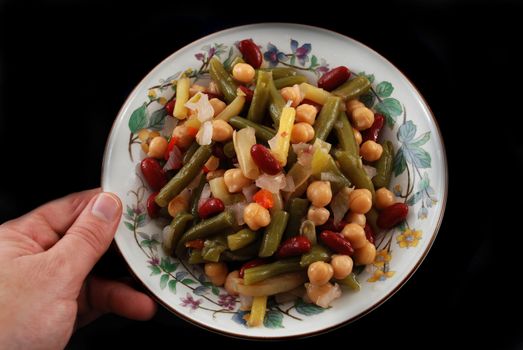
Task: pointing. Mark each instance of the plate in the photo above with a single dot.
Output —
(419, 179)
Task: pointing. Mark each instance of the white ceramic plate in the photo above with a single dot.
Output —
(419, 179)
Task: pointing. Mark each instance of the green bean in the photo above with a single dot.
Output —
(195, 197)
(225, 82)
(345, 135)
(292, 158)
(384, 166)
(184, 176)
(353, 88)
(241, 239)
(352, 167)
(327, 117)
(338, 180)
(228, 150)
(206, 228)
(190, 152)
(235, 61)
(246, 253)
(177, 226)
(290, 81)
(308, 230)
(274, 233)
(214, 247)
(317, 253)
(280, 72)
(372, 218)
(262, 272)
(350, 281)
(264, 133)
(276, 103)
(195, 257)
(260, 98)
(297, 211)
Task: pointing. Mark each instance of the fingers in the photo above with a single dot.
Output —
(119, 298)
(89, 236)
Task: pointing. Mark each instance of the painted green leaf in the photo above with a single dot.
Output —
(370, 77)
(228, 61)
(293, 60)
(414, 198)
(170, 266)
(273, 319)
(407, 131)
(384, 89)
(157, 119)
(130, 211)
(421, 140)
(390, 108)
(215, 290)
(155, 270)
(402, 226)
(399, 162)
(307, 309)
(368, 99)
(129, 225)
(188, 281)
(138, 119)
(146, 243)
(314, 61)
(144, 235)
(201, 290)
(172, 286)
(163, 280)
(140, 220)
(418, 156)
(424, 183)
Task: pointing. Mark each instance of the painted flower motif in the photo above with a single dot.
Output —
(162, 101)
(382, 257)
(151, 94)
(190, 302)
(380, 275)
(423, 213)
(397, 190)
(154, 261)
(302, 52)
(273, 55)
(227, 301)
(200, 56)
(409, 238)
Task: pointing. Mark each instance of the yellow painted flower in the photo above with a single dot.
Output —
(382, 257)
(162, 101)
(151, 94)
(409, 238)
(380, 275)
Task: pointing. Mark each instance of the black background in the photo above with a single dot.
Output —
(67, 67)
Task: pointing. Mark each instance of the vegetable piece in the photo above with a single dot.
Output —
(336, 242)
(182, 96)
(308, 229)
(289, 81)
(177, 228)
(190, 152)
(264, 159)
(210, 207)
(241, 239)
(228, 67)
(258, 309)
(276, 103)
(353, 88)
(297, 211)
(195, 257)
(234, 108)
(260, 273)
(274, 285)
(249, 94)
(224, 81)
(153, 173)
(393, 215)
(294, 246)
(251, 264)
(345, 135)
(384, 166)
(264, 198)
(334, 78)
(195, 244)
(213, 248)
(374, 131)
(282, 142)
(184, 176)
(260, 99)
(317, 253)
(280, 72)
(248, 252)
(263, 133)
(369, 233)
(299, 175)
(243, 140)
(273, 233)
(228, 150)
(251, 53)
(350, 281)
(352, 167)
(327, 117)
(314, 94)
(153, 209)
(195, 197)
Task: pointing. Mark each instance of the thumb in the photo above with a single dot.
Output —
(89, 236)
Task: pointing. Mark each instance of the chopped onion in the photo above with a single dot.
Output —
(272, 183)
(206, 194)
(204, 135)
(237, 210)
(167, 235)
(324, 300)
(370, 170)
(289, 184)
(340, 204)
(168, 126)
(328, 176)
(175, 159)
(200, 103)
(304, 151)
(249, 191)
(273, 142)
(245, 302)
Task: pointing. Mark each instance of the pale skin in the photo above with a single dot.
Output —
(46, 290)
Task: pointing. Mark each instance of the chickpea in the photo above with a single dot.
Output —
(157, 147)
(384, 198)
(212, 163)
(235, 180)
(357, 136)
(183, 138)
(301, 132)
(179, 203)
(292, 94)
(217, 272)
(243, 72)
(319, 193)
(342, 266)
(217, 105)
(146, 136)
(320, 273)
(230, 285)
(365, 255)
(195, 88)
(214, 174)
(371, 151)
(355, 234)
(221, 130)
(356, 218)
(306, 113)
(256, 216)
(360, 201)
(352, 105)
(363, 118)
(318, 216)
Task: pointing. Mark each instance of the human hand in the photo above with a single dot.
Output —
(45, 259)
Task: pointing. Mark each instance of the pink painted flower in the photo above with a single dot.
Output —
(199, 56)
(154, 261)
(190, 302)
(227, 301)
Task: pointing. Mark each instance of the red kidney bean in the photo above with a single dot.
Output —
(153, 173)
(294, 246)
(153, 209)
(336, 242)
(334, 78)
(248, 93)
(329, 225)
(210, 207)
(252, 263)
(373, 132)
(393, 215)
(264, 159)
(251, 53)
(169, 107)
(369, 233)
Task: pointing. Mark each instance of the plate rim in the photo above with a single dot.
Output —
(131, 96)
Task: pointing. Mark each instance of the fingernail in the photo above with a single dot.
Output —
(106, 207)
